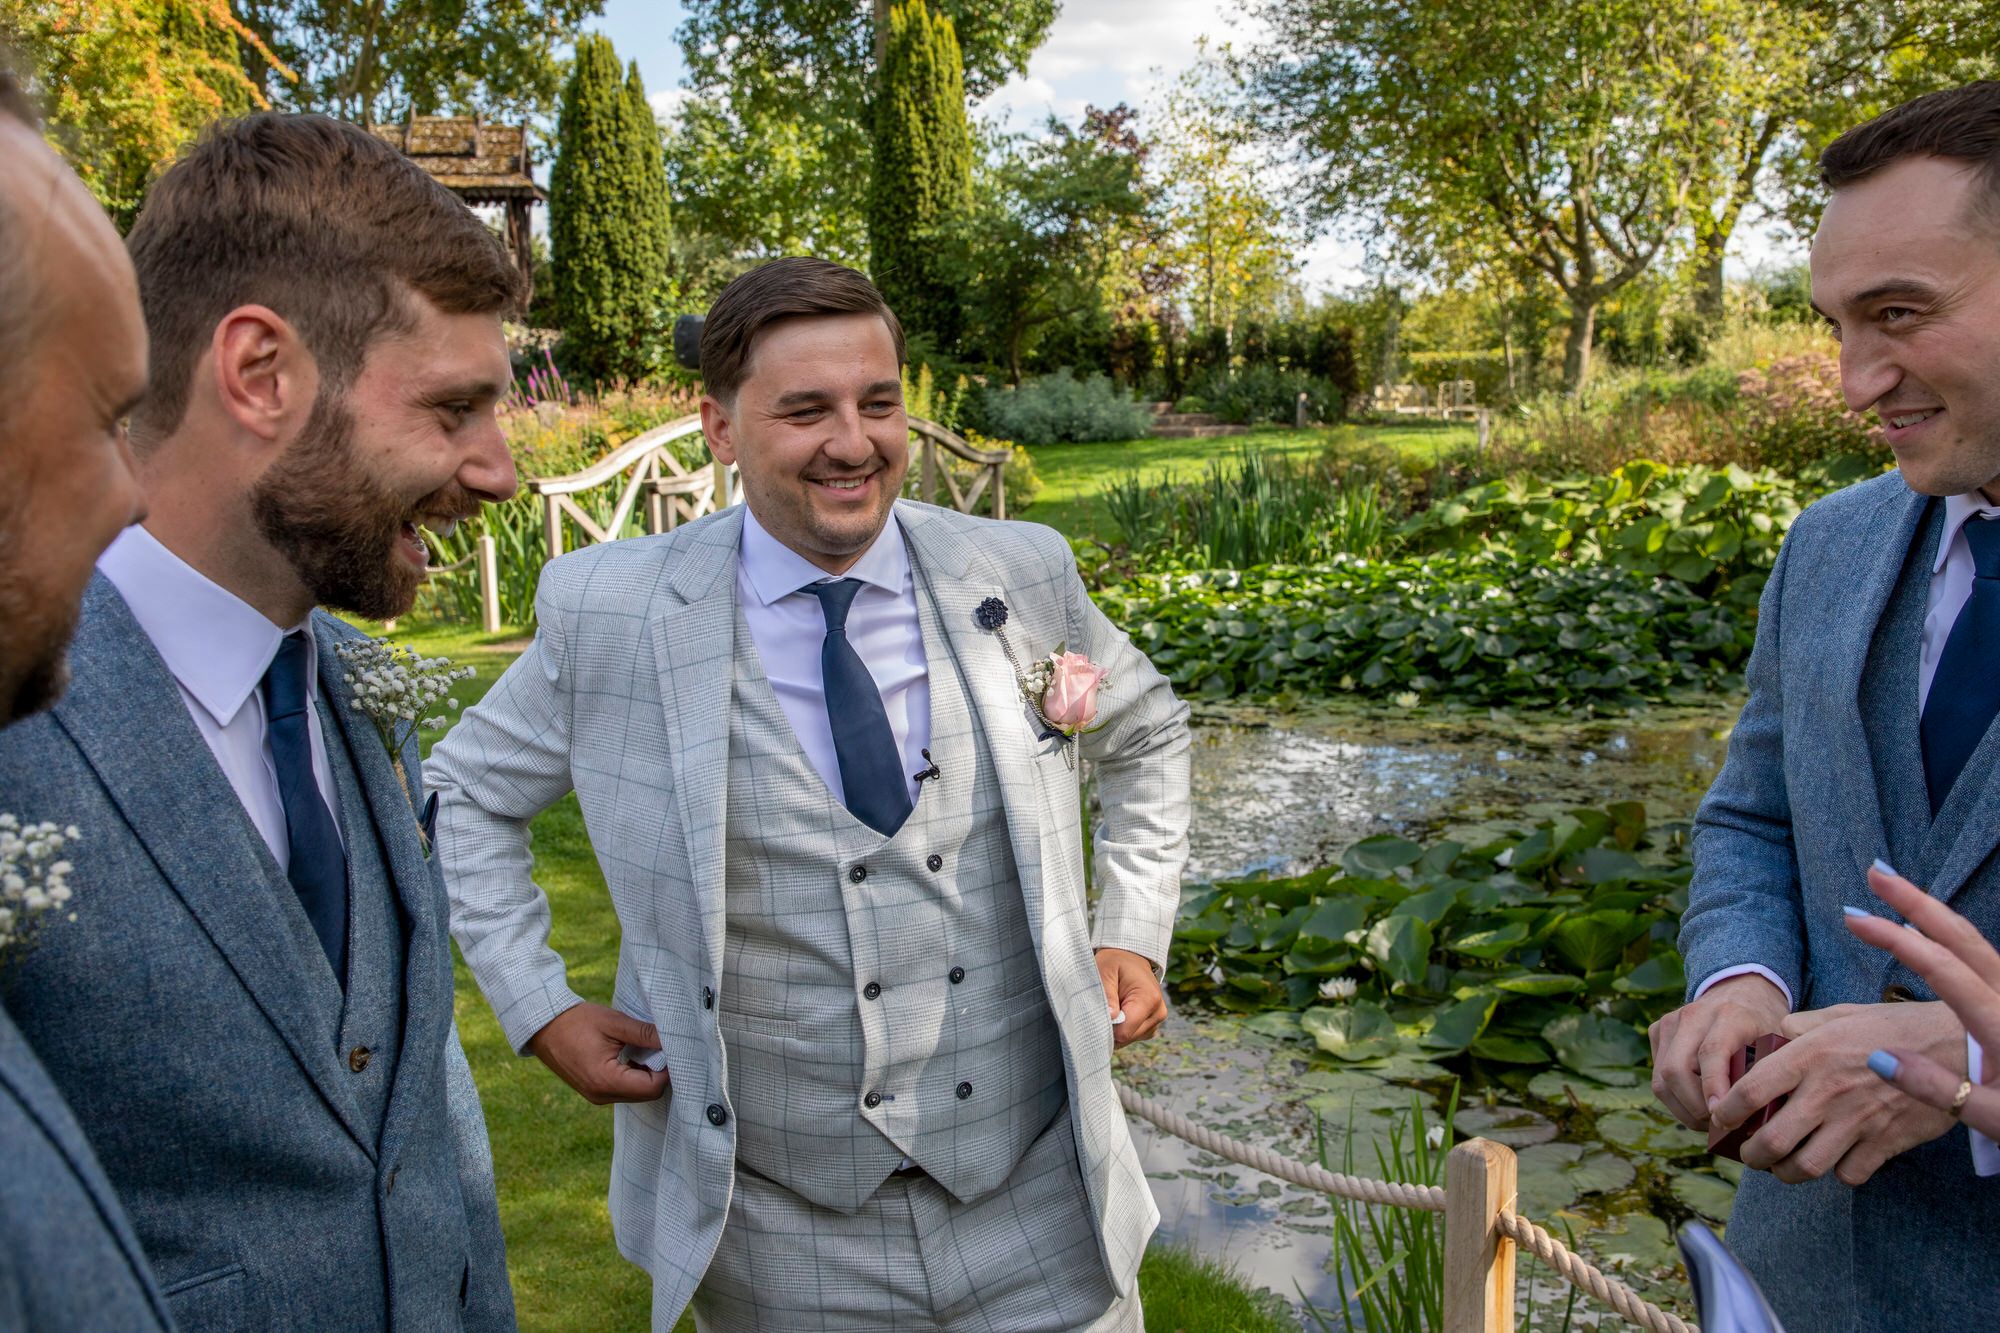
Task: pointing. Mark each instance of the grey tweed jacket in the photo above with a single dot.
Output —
(625, 698)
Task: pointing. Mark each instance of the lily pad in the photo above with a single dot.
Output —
(1540, 983)
(1597, 1047)
(1459, 1025)
(1638, 1241)
(1711, 1196)
(1402, 946)
(1358, 1031)
(1380, 856)
(1593, 941)
(1662, 974)
(1330, 924)
(1515, 1126)
(1641, 1131)
(1555, 1085)
(1507, 1050)
(1490, 944)
(1278, 1023)
(1555, 1175)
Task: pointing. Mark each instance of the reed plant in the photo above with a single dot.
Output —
(1255, 509)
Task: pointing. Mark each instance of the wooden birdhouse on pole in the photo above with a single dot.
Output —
(478, 162)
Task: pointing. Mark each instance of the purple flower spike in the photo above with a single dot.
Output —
(992, 613)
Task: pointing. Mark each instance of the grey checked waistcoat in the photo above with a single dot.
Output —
(881, 996)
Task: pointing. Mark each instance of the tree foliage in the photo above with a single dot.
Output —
(608, 226)
(922, 179)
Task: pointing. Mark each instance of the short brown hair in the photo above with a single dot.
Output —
(319, 220)
(14, 99)
(1958, 123)
(782, 289)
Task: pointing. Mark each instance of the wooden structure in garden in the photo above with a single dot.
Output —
(482, 164)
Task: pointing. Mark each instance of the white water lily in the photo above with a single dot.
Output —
(1338, 988)
(1216, 974)
(1435, 1136)
(34, 880)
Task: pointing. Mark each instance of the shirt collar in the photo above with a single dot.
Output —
(217, 645)
(1957, 510)
(775, 570)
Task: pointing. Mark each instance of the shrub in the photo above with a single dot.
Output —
(1059, 408)
(1263, 392)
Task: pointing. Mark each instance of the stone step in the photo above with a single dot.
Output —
(1197, 432)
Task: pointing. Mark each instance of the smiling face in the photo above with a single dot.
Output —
(1906, 268)
(413, 443)
(818, 433)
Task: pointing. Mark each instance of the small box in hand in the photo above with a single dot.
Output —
(1730, 1144)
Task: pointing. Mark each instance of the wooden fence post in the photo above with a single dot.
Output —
(1479, 1180)
(489, 584)
(552, 531)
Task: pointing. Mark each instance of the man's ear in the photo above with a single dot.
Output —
(265, 378)
(717, 426)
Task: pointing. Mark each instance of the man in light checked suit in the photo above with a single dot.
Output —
(863, 1021)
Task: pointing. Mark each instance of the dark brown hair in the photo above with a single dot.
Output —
(782, 289)
(14, 98)
(1958, 123)
(319, 220)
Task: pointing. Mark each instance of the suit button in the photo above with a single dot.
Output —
(934, 861)
(716, 1115)
(957, 975)
(1897, 993)
(857, 874)
(871, 990)
(707, 998)
(872, 1100)
(964, 1091)
(357, 1059)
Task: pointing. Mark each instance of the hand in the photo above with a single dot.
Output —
(1963, 969)
(1839, 1116)
(1131, 988)
(1692, 1045)
(582, 1045)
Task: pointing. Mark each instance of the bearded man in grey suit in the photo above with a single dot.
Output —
(1869, 737)
(72, 365)
(871, 1016)
(253, 1022)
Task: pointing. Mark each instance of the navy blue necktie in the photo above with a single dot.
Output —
(1965, 691)
(871, 769)
(318, 865)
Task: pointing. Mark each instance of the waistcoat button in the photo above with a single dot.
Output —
(858, 874)
(934, 861)
(871, 990)
(716, 1115)
(872, 1100)
(964, 1091)
(707, 998)
(957, 975)
(357, 1059)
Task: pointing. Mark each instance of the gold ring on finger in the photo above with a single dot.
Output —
(1958, 1102)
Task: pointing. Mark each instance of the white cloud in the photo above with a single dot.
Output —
(667, 102)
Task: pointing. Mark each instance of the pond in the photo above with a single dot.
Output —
(1283, 794)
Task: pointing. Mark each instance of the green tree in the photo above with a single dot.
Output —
(1565, 134)
(607, 220)
(922, 179)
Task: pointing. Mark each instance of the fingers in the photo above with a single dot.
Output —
(1957, 982)
(1937, 922)
(629, 1031)
(1932, 1084)
(1770, 1078)
(1861, 1163)
(1677, 1071)
(1144, 1005)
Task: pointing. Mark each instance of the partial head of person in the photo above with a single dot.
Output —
(72, 368)
(801, 367)
(1906, 268)
(328, 364)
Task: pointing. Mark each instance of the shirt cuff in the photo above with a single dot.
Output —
(1747, 970)
(1985, 1152)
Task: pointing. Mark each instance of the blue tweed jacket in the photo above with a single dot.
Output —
(177, 1020)
(1824, 775)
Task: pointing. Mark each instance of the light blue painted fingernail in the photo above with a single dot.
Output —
(1884, 1066)
(1885, 867)
(1856, 911)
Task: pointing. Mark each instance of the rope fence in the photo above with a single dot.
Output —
(1481, 1227)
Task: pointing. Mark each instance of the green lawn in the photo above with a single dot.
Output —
(1074, 476)
(552, 1150)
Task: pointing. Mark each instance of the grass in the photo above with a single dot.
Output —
(1075, 477)
(552, 1150)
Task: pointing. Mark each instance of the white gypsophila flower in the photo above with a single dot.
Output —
(34, 880)
(1338, 988)
(397, 689)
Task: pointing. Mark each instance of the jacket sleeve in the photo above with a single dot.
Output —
(1743, 903)
(505, 762)
(1140, 753)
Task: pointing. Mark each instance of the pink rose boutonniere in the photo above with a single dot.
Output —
(1061, 689)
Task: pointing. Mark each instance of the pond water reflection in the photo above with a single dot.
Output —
(1285, 793)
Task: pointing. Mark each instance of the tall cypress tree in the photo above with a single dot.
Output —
(607, 220)
(922, 178)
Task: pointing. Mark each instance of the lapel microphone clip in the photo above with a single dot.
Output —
(925, 774)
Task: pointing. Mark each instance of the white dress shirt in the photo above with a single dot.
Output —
(1951, 587)
(788, 628)
(218, 648)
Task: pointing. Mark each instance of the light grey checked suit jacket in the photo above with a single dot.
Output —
(625, 698)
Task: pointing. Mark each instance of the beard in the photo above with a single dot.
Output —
(338, 526)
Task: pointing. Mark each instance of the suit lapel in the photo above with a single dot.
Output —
(694, 646)
(957, 579)
(181, 807)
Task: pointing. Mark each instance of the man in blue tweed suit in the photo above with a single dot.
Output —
(1869, 735)
(74, 365)
(252, 1019)
(871, 1015)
